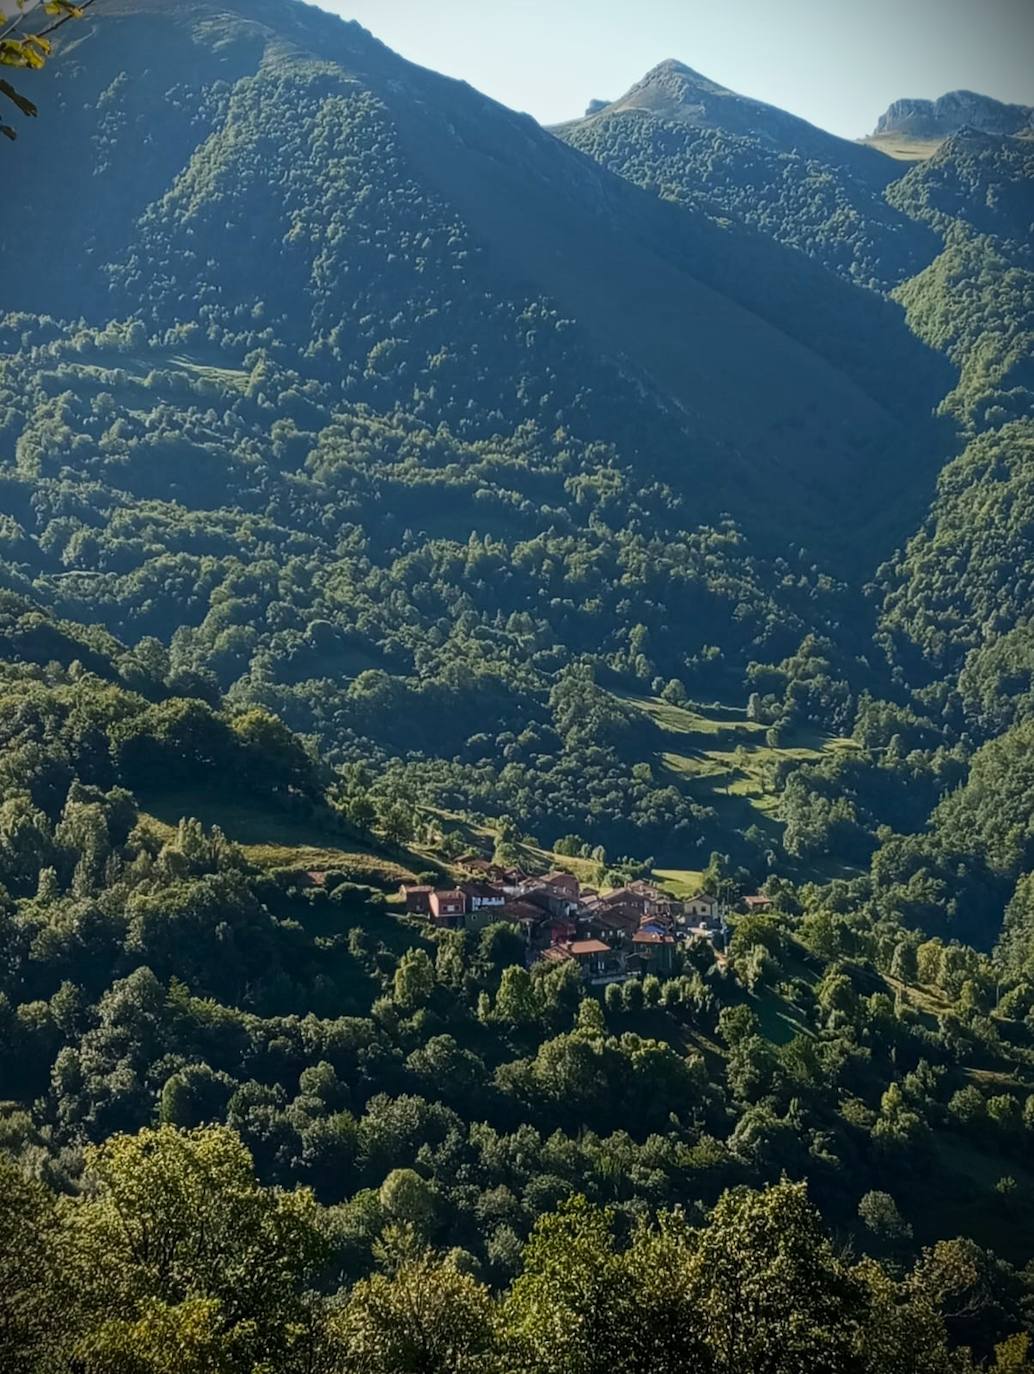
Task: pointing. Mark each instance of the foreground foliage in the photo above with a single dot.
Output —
(209, 1271)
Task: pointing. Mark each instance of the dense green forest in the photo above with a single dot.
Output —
(385, 479)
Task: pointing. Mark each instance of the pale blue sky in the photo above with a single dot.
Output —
(836, 62)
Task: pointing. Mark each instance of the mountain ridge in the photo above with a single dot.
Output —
(952, 112)
(675, 91)
(611, 256)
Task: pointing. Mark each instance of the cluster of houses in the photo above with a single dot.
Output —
(611, 936)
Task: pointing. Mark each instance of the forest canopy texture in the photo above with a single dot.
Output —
(387, 481)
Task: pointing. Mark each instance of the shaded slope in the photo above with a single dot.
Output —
(728, 353)
(738, 159)
(982, 180)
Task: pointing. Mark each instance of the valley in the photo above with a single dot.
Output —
(516, 719)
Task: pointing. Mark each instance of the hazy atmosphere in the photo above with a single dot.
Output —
(838, 65)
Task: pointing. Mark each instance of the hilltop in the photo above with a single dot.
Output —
(673, 91)
(735, 159)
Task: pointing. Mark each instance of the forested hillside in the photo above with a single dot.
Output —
(736, 159)
(393, 492)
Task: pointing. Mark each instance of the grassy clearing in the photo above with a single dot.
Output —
(725, 761)
(273, 841)
(902, 148)
(232, 378)
(680, 882)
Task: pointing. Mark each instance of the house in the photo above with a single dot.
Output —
(479, 894)
(615, 924)
(597, 962)
(561, 930)
(485, 903)
(593, 957)
(556, 954)
(417, 899)
(643, 898)
(627, 897)
(448, 908)
(658, 925)
(704, 909)
(550, 898)
(566, 884)
(655, 949)
(758, 903)
(531, 920)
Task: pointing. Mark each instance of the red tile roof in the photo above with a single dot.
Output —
(556, 954)
(577, 947)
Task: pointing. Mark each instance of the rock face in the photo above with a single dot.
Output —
(594, 107)
(952, 112)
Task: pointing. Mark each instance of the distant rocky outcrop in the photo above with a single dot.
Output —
(952, 112)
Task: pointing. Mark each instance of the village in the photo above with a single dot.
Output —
(612, 936)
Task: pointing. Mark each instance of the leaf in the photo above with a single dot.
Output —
(15, 52)
(42, 45)
(8, 132)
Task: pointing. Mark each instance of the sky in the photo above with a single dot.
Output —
(839, 63)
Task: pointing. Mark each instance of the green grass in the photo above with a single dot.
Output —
(902, 148)
(725, 762)
(680, 882)
(271, 840)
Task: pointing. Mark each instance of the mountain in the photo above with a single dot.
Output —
(363, 400)
(983, 181)
(729, 157)
(674, 92)
(167, 203)
(927, 119)
(366, 401)
(439, 565)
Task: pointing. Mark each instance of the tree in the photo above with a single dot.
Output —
(900, 1328)
(409, 1200)
(880, 1214)
(396, 822)
(360, 812)
(424, 1316)
(414, 980)
(568, 1311)
(34, 1304)
(272, 758)
(27, 49)
(499, 947)
(173, 1218)
(516, 1004)
(768, 1289)
(194, 1096)
(737, 1024)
